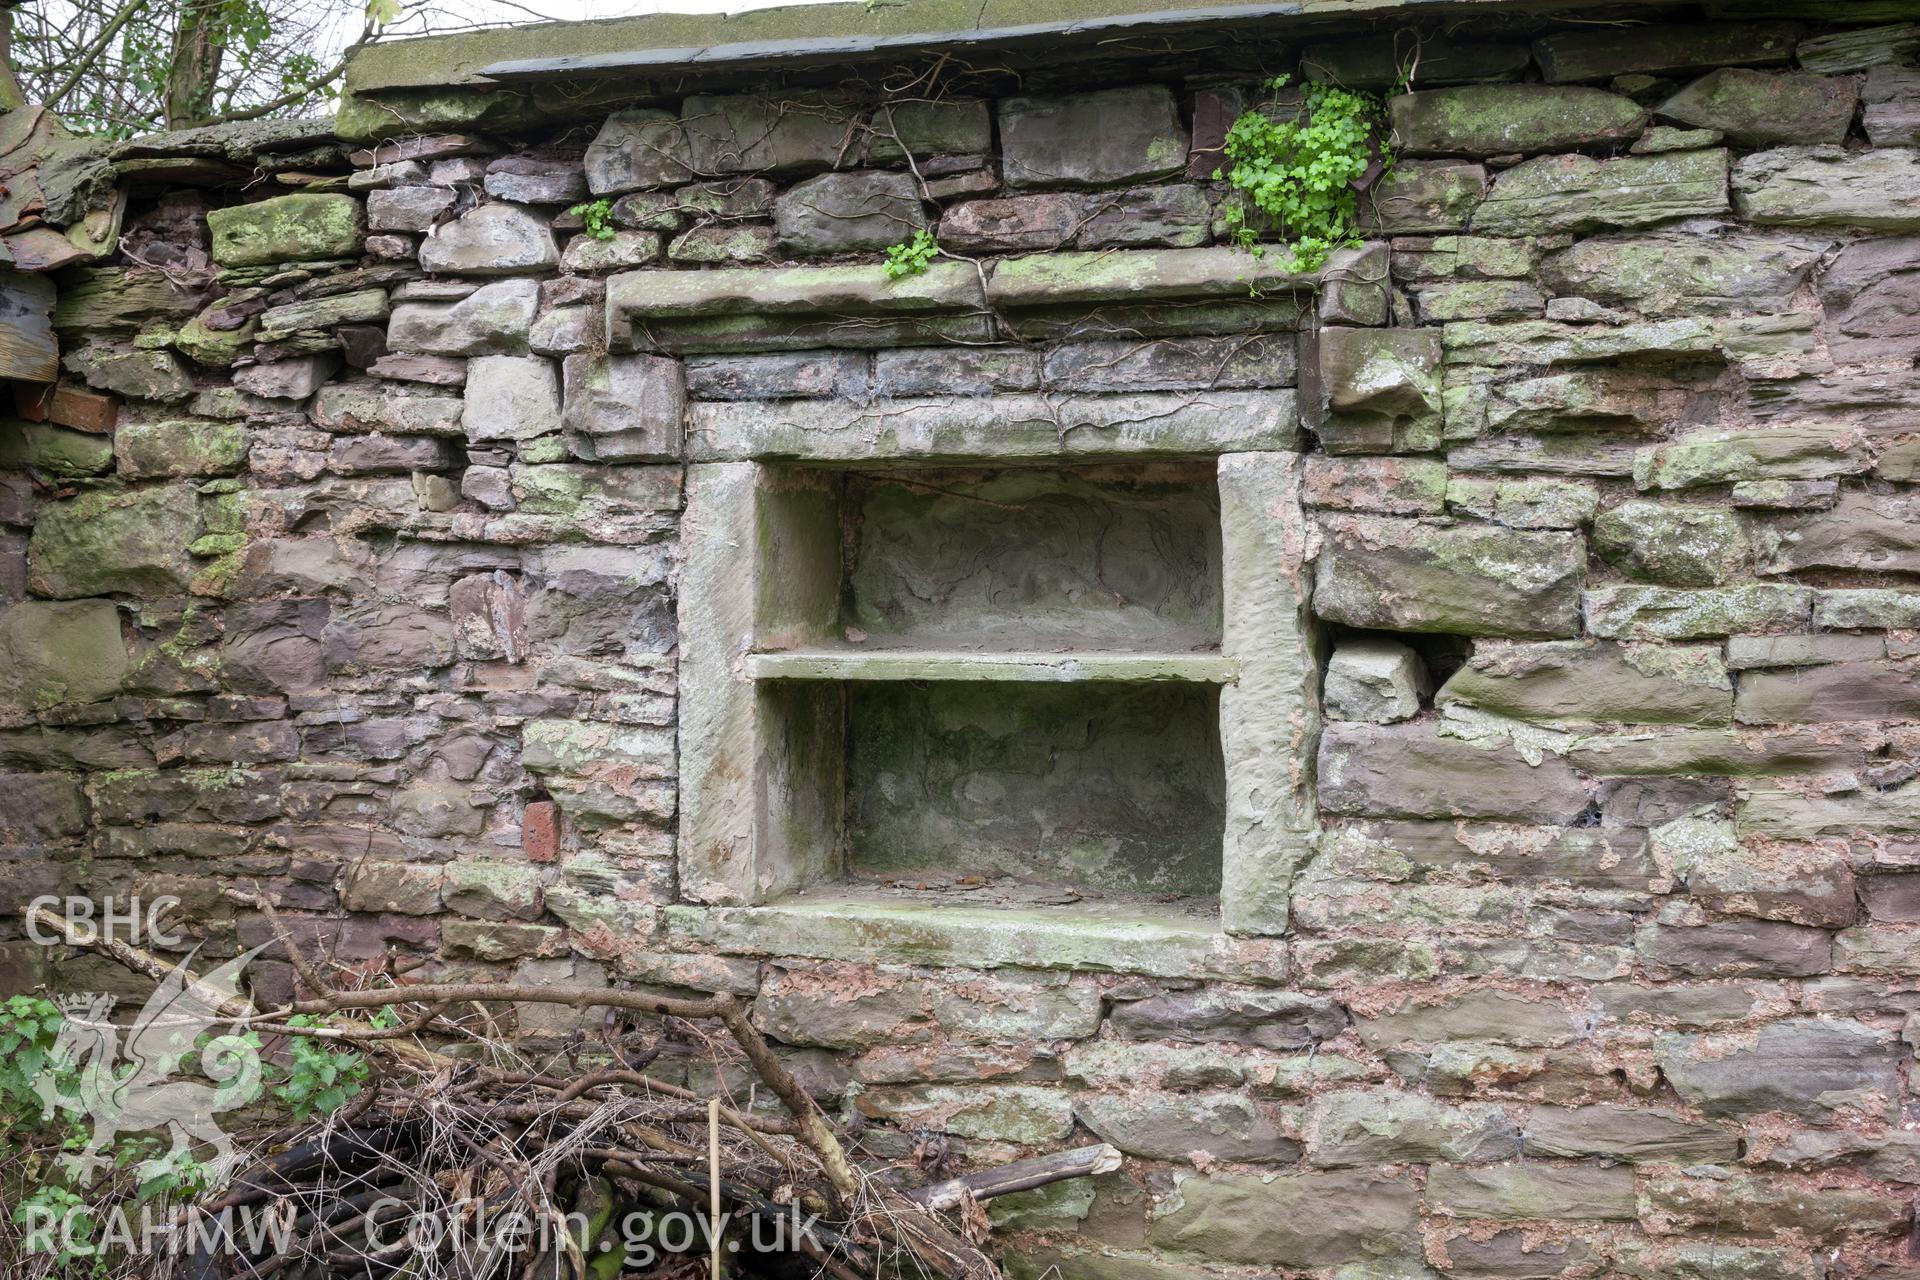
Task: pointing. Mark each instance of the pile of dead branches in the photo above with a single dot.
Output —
(464, 1158)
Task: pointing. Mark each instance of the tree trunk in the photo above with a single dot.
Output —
(196, 65)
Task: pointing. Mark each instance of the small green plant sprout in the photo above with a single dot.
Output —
(911, 257)
(320, 1079)
(1296, 166)
(598, 217)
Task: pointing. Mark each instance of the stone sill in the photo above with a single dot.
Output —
(846, 924)
(852, 663)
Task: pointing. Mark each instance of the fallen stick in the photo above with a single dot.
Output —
(1021, 1175)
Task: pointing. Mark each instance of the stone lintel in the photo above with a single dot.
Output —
(996, 427)
(642, 305)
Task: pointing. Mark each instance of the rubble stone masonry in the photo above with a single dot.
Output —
(1423, 756)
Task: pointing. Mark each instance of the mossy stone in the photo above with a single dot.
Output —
(296, 228)
(108, 541)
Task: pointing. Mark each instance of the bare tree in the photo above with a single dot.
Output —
(124, 67)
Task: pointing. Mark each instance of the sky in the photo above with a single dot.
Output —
(519, 11)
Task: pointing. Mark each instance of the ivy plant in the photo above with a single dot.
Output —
(911, 257)
(1295, 165)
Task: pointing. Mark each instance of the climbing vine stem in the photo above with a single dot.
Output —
(1296, 162)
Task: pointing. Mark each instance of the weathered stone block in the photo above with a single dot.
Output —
(1829, 186)
(1765, 108)
(619, 251)
(1579, 54)
(378, 406)
(1534, 502)
(723, 244)
(1163, 364)
(1662, 274)
(920, 129)
(632, 407)
(1280, 1220)
(369, 638)
(1406, 575)
(1629, 1134)
(55, 451)
(1675, 1202)
(1871, 292)
(1224, 1126)
(1424, 196)
(638, 149)
(1763, 453)
(1580, 681)
(1735, 949)
(1378, 1126)
(492, 240)
(60, 653)
(1866, 531)
(1375, 680)
(1545, 342)
(1675, 546)
(1175, 217)
(1675, 613)
(1839, 691)
(1532, 1192)
(1579, 193)
(996, 1113)
(1892, 97)
(1714, 1260)
(1412, 771)
(511, 398)
(1282, 1020)
(1012, 224)
(137, 375)
(294, 379)
(492, 320)
(106, 541)
(1384, 486)
(408, 208)
(305, 227)
(1506, 119)
(1093, 139)
(1805, 884)
(787, 375)
(1367, 390)
(180, 447)
(1808, 1068)
(857, 212)
(783, 133)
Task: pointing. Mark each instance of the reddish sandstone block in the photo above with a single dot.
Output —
(540, 831)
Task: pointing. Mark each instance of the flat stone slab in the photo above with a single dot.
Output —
(853, 663)
(1017, 426)
(1101, 938)
(1041, 280)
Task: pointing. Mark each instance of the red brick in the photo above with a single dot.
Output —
(540, 831)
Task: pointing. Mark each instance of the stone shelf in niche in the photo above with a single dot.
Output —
(880, 664)
(846, 662)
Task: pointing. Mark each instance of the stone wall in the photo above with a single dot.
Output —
(1579, 938)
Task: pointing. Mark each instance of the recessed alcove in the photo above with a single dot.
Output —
(996, 677)
(1054, 685)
